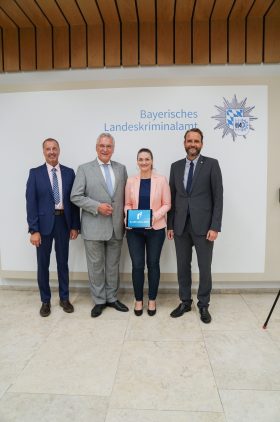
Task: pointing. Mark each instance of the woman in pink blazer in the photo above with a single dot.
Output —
(147, 190)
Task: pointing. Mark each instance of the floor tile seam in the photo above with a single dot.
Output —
(270, 390)
(248, 307)
(166, 410)
(117, 368)
(57, 394)
(214, 377)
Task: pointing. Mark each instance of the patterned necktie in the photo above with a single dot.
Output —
(190, 177)
(56, 195)
(108, 179)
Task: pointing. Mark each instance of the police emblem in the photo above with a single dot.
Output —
(234, 118)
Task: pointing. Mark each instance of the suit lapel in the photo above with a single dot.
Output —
(46, 179)
(63, 180)
(99, 175)
(181, 173)
(115, 169)
(198, 167)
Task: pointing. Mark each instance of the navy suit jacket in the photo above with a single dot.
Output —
(204, 202)
(40, 203)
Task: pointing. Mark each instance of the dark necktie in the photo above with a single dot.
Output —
(56, 195)
(190, 177)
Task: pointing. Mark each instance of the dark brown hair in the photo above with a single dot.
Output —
(194, 130)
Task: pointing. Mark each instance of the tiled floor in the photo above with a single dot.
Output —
(123, 368)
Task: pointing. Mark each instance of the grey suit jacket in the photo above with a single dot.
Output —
(205, 200)
(89, 190)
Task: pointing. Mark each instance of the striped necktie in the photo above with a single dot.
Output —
(56, 195)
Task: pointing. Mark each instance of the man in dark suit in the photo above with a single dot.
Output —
(51, 216)
(194, 220)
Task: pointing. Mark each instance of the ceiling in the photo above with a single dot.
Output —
(78, 34)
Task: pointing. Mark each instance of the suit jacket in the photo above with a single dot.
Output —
(205, 200)
(89, 190)
(160, 199)
(40, 203)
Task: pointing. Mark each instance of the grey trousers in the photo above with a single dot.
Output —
(204, 252)
(103, 258)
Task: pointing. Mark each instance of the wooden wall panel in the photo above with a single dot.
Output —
(95, 33)
(11, 50)
(95, 39)
(61, 50)
(254, 31)
(128, 15)
(201, 41)
(147, 32)
(78, 42)
(27, 49)
(272, 34)
(112, 32)
(1, 51)
(44, 48)
(183, 31)
(43, 33)
(10, 39)
(237, 34)
(63, 34)
(219, 31)
(165, 40)
(78, 33)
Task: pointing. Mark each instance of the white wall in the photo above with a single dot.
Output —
(245, 251)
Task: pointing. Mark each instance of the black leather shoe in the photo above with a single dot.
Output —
(151, 312)
(204, 315)
(67, 306)
(45, 309)
(118, 306)
(180, 310)
(97, 310)
(139, 312)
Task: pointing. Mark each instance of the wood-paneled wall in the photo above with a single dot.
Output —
(62, 34)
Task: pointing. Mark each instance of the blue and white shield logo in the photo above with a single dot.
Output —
(241, 125)
(231, 114)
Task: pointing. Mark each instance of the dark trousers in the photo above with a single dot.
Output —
(60, 235)
(151, 242)
(204, 252)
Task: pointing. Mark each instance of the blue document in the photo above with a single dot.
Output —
(139, 218)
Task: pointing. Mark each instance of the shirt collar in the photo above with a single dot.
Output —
(49, 167)
(101, 162)
(194, 161)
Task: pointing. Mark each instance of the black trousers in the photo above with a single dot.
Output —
(204, 251)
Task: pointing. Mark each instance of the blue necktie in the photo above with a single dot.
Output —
(190, 177)
(56, 195)
(108, 179)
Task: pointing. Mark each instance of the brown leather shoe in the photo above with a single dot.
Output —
(45, 309)
(67, 306)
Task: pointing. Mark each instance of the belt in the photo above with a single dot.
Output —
(58, 212)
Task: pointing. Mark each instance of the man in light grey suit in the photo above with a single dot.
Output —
(99, 190)
(195, 219)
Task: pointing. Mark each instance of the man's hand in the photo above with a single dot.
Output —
(212, 235)
(170, 234)
(105, 209)
(35, 239)
(74, 234)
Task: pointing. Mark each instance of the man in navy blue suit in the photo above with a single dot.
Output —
(51, 216)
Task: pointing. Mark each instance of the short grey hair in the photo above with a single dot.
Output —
(105, 135)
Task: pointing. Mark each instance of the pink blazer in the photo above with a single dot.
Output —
(160, 199)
